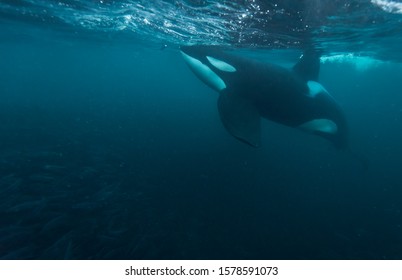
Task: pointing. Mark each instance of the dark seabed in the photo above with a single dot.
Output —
(110, 148)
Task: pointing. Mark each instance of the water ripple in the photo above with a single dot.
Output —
(360, 26)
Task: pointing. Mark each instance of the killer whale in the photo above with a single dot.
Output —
(250, 90)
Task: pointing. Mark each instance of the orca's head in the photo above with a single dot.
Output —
(208, 64)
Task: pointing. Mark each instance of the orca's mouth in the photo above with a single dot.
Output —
(188, 50)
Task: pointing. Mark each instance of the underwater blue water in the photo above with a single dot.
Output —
(110, 147)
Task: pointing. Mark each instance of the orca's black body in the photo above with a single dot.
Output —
(249, 90)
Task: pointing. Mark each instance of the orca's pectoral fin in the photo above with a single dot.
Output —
(240, 118)
(308, 66)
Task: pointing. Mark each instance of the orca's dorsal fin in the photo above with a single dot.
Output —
(308, 67)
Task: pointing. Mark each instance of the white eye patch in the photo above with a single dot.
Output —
(204, 73)
(221, 65)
